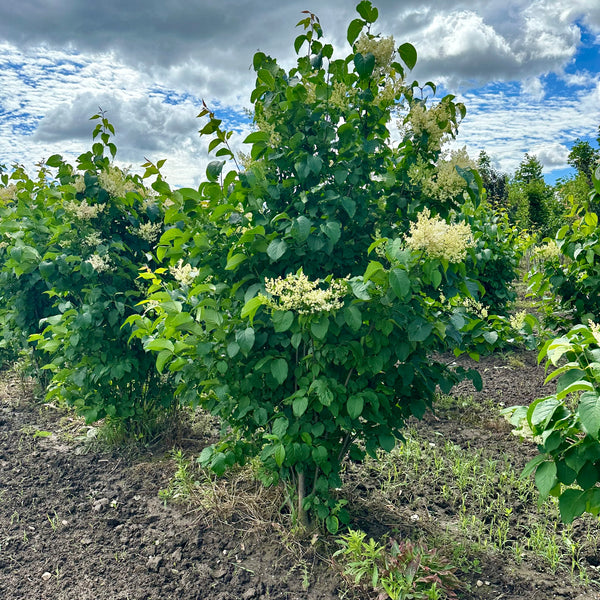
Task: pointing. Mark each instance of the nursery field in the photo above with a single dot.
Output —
(78, 521)
(315, 375)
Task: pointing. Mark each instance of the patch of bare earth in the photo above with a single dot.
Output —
(78, 524)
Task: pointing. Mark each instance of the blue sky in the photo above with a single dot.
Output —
(527, 70)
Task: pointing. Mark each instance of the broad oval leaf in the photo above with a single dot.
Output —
(589, 413)
(408, 54)
(276, 249)
(355, 406)
(545, 478)
(279, 370)
(400, 283)
(365, 64)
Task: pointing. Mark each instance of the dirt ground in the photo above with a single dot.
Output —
(78, 523)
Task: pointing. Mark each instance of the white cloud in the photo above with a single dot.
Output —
(149, 64)
(533, 87)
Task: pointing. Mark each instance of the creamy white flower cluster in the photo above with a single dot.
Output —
(149, 232)
(92, 239)
(517, 321)
(547, 251)
(422, 120)
(475, 307)
(595, 328)
(82, 210)
(298, 293)
(184, 273)
(382, 48)
(439, 239)
(79, 184)
(8, 193)
(340, 95)
(449, 184)
(261, 120)
(100, 263)
(115, 181)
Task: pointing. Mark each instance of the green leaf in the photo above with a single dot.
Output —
(266, 77)
(213, 170)
(542, 411)
(360, 290)
(162, 358)
(408, 54)
(280, 426)
(252, 306)
(282, 321)
(276, 249)
(279, 454)
(324, 394)
(319, 328)
(353, 317)
(279, 370)
(234, 261)
(532, 465)
(419, 330)
(299, 406)
(54, 161)
(354, 30)
(364, 64)
(300, 229)
(589, 413)
(545, 478)
(349, 206)
(245, 339)
(491, 337)
(400, 283)
(372, 268)
(333, 230)
(298, 42)
(387, 441)
(367, 11)
(571, 504)
(232, 349)
(354, 406)
(257, 136)
(160, 344)
(332, 523)
(588, 476)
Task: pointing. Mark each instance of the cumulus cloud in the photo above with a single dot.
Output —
(149, 64)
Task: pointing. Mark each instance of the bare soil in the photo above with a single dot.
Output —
(79, 523)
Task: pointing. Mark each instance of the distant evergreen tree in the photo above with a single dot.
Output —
(531, 200)
(584, 158)
(494, 181)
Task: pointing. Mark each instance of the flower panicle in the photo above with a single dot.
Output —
(439, 239)
(296, 292)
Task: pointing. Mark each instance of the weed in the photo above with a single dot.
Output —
(183, 482)
(54, 521)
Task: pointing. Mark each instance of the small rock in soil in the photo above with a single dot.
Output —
(154, 563)
(100, 504)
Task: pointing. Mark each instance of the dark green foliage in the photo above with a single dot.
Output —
(322, 203)
(74, 247)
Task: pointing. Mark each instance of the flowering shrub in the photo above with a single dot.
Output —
(574, 277)
(438, 239)
(308, 350)
(73, 249)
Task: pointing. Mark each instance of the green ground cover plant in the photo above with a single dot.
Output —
(567, 423)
